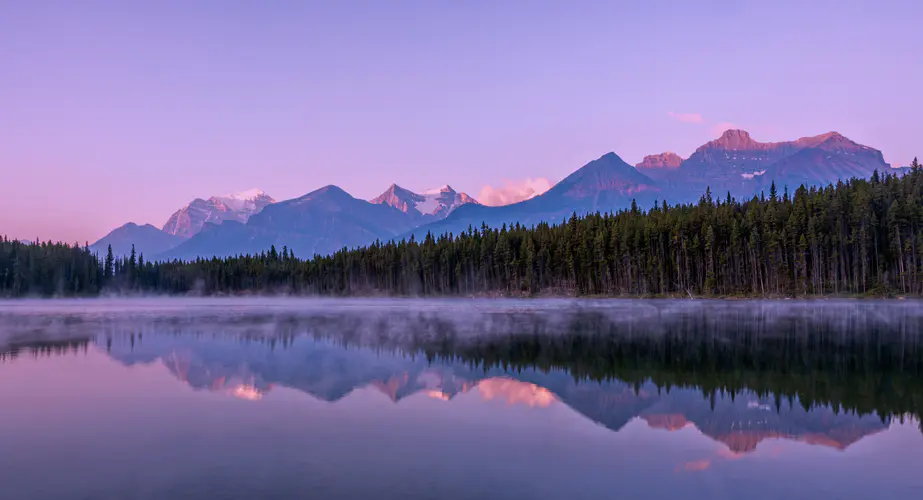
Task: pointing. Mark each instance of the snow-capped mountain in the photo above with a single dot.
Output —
(320, 222)
(433, 203)
(190, 219)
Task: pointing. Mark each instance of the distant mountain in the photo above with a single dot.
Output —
(433, 204)
(734, 163)
(823, 160)
(605, 184)
(728, 163)
(320, 222)
(184, 223)
(238, 207)
(738, 164)
(147, 239)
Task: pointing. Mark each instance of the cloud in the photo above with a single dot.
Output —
(515, 392)
(722, 453)
(513, 191)
(720, 127)
(687, 117)
(715, 129)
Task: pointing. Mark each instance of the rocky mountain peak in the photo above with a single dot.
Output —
(735, 140)
(663, 160)
(437, 202)
(239, 207)
(399, 198)
(608, 173)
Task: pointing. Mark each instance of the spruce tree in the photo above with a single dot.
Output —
(110, 263)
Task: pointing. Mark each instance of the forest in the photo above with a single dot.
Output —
(858, 237)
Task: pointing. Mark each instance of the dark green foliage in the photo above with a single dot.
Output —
(47, 269)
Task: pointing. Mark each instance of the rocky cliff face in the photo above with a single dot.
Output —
(666, 160)
(660, 166)
(189, 220)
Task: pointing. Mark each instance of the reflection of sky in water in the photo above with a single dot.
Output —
(179, 418)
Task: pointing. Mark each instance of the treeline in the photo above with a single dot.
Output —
(47, 269)
(857, 237)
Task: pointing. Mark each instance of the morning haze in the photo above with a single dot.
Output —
(455, 250)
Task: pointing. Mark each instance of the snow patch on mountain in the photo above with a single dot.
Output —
(250, 201)
(250, 194)
(441, 189)
(430, 203)
(437, 202)
(239, 207)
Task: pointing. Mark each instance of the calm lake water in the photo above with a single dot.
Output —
(406, 399)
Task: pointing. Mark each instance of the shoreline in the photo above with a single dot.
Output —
(477, 297)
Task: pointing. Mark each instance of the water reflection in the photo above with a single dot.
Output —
(747, 380)
(740, 419)
(736, 382)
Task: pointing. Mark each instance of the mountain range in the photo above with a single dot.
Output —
(329, 219)
(184, 223)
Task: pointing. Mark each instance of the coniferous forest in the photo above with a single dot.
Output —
(859, 237)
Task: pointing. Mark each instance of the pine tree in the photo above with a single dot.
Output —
(110, 265)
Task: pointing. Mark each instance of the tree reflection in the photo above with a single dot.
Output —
(862, 358)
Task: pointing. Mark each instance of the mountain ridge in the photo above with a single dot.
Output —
(320, 222)
(146, 239)
(328, 219)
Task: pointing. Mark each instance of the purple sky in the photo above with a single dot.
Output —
(124, 111)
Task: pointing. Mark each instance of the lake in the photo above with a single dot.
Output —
(460, 399)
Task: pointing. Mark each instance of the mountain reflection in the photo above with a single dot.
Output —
(738, 377)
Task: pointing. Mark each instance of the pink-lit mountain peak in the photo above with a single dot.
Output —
(436, 202)
(741, 140)
(737, 140)
(831, 141)
(189, 220)
(665, 160)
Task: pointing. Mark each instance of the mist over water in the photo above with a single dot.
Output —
(286, 398)
(395, 319)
